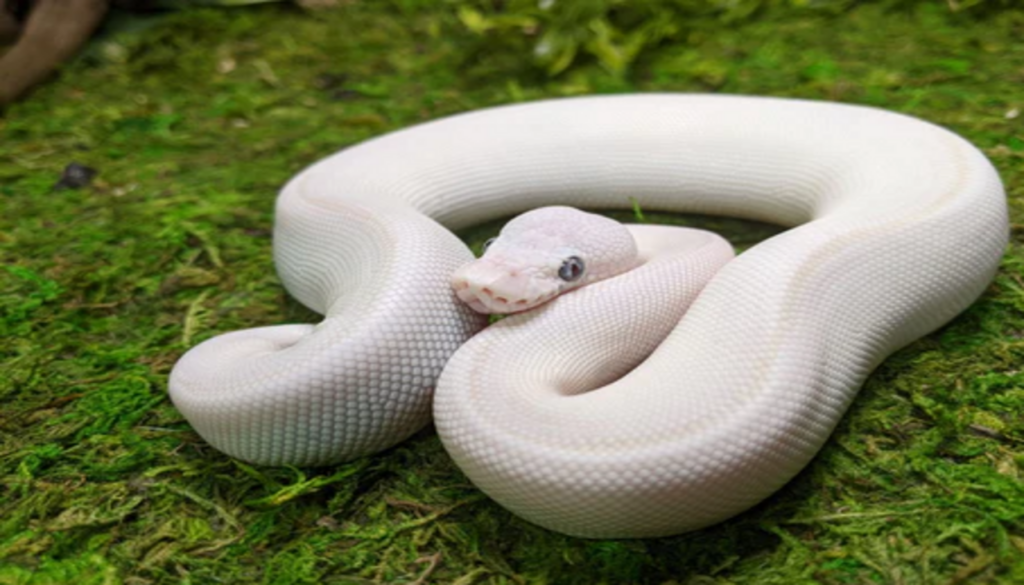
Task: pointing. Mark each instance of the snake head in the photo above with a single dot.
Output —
(542, 254)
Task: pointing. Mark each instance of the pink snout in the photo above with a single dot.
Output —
(491, 288)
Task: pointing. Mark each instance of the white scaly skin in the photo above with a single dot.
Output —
(899, 225)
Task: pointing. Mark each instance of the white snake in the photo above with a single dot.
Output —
(899, 225)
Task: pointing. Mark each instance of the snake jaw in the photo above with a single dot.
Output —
(490, 286)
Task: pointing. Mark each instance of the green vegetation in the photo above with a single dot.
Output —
(194, 123)
(615, 33)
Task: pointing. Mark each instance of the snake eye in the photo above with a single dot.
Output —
(487, 244)
(572, 269)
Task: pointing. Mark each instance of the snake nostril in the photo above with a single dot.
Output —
(487, 291)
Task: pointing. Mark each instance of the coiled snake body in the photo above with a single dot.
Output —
(898, 225)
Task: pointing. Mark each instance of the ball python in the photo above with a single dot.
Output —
(896, 226)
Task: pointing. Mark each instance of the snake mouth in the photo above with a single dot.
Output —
(485, 299)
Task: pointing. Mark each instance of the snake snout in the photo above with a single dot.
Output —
(489, 288)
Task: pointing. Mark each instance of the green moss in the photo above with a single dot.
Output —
(193, 126)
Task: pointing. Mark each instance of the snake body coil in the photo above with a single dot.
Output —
(898, 225)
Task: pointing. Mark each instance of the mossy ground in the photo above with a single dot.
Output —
(196, 123)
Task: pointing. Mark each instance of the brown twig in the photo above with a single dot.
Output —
(434, 560)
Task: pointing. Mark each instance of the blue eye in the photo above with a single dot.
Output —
(572, 269)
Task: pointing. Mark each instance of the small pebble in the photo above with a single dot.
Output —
(75, 176)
